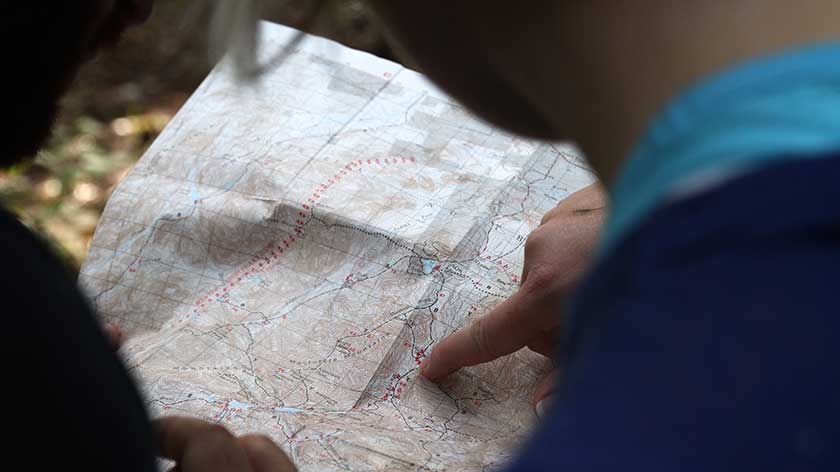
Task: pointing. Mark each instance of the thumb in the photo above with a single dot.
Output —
(545, 393)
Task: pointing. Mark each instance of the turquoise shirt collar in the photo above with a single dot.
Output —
(785, 106)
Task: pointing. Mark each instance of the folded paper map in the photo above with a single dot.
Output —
(287, 252)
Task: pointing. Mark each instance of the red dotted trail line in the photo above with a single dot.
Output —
(273, 252)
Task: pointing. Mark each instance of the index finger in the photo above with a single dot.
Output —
(505, 329)
(197, 445)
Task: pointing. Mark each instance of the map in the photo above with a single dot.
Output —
(286, 253)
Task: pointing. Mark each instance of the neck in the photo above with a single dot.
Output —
(631, 58)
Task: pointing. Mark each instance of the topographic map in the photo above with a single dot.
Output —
(286, 253)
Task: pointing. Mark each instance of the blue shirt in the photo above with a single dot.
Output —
(707, 337)
(783, 106)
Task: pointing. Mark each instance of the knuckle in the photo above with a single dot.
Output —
(540, 282)
(534, 240)
(217, 434)
(215, 428)
(551, 214)
(479, 337)
(216, 443)
(258, 442)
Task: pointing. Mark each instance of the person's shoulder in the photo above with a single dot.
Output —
(57, 355)
(784, 202)
(19, 241)
(28, 267)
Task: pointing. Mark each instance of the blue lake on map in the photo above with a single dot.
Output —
(429, 265)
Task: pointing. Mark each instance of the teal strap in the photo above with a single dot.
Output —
(785, 106)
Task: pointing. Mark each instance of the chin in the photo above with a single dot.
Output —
(454, 61)
(506, 111)
(477, 86)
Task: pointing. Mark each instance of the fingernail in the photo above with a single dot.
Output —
(543, 406)
(424, 365)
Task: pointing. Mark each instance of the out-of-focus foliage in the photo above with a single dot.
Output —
(62, 192)
(123, 99)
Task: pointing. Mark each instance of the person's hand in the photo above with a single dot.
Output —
(556, 254)
(197, 445)
(114, 335)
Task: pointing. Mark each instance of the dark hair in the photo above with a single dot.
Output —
(43, 45)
